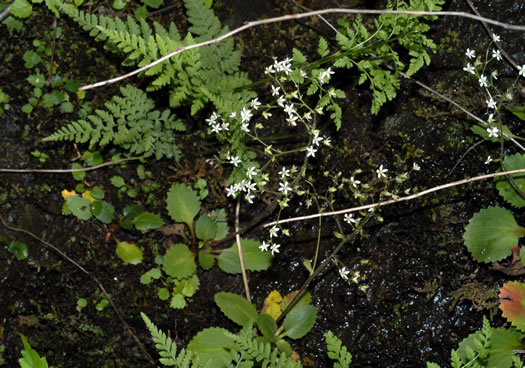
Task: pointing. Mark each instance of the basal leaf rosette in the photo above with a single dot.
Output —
(512, 303)
(504, 185)
(491, 233)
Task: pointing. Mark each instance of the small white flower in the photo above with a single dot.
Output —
(289, 109)
(521, 70)
(233, 115)
(211, 120)
(354, 182)
(494, 75)
(275, 90)
(281, 100)
(216, 128)
(246, 114)
(284, 188)
(235, 160)
(310, 151)
(292, 120)
(250, 173)
(249, 197)
(250, 186)
(493, 132)
(496, 37)
(275, 248)
(496, 54)
(491, 118)
(469, 69)
(381, 172)
(264, 246)
(482, 81)
(491, 103)
(244, 127)
(273, 231)
(349, 218)
(317, 139)
(488, 160)
(344, 273)
(225, 125)
(303, 74)
(327, 141)
(231, 191)
(470, 53)
(255, 103)
(269, 70)
(416, 167)
(284, 173)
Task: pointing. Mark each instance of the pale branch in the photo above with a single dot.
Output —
(392, 201)
(64, 171)
(239, 249)
(300, 16)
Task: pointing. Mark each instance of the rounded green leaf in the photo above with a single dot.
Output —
(179, 262)
(103, 211)
(299, 321)
(504, 185)
(178, 301)
(267, 326)
(491, 233)
(147, 221)
(183, 204)
(130, 213)
(21, 9)
(206, 258)
(212, 344)
(512, 303)
(205, 228)
(236, 308)
(129, 252)
(18, 249)
(163, 293)
(80, 207)
(254, 259)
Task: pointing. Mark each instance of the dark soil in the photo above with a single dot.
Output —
(399, 314)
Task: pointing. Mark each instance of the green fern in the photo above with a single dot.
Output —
(194, 77)
(130, 123)
(337, 351)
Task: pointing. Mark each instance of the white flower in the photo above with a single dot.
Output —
(231, 191)
(211, 120)
(291, 120)
(349, 218)
(250, 173)
(249, 197)
(289, 109)
(284, 173)
(275, 90)
(381, 172)
(488, 160)
(493, 132)
(225, 125)
(284, 188)
(275, 248)
(494, 75)
(216, 128)
(317, 139)
(491, 118)
(491, 103)
(482, 81)
(469, 69)
(521, 70)
(233, 115)
(250, 186)
(235, 160)
(470, 53)
(354, 182)
(255, 103)
(327, 141)
(496, 54)
(303, 74)
(416, 167)
(246, 114)
(273, 231)
(244, 127)
(281, 100)
(496, 37)
(310, 151)
(269, 70)
(264, 246)
(344, 273)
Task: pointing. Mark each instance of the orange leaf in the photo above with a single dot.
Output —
(66, 193)
(512, 303)
(271, 304)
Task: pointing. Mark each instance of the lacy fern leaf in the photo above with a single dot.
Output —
(337, 351)
(130, 123)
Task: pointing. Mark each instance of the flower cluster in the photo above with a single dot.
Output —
(246, 186)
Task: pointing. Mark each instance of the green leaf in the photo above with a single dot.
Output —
(267, 326)
(66, 107)
(13, 24)
(519, 111)
(187, 287)
(322, 49)
(236, 308)
(219, 216)
(298, 58)
(147, 221)
(512, 303)
(79, 207)
(21, 9)
(103, 211)
(179, 262)
(482, 132)
(183, 204)
(299, 321)
(205, 228)
(117, 181)
(130, 213)
(119, 4)
(177, 301)
(284, 346)
(213, 344)
(206, 258)
(129, 252)
(92, 158)
(78, 175)
(18, 249)
(97, 192)
(163, 293)
(504, 185)
(491, 233)
(152, 3)
(254, 259)
(36, 80)
(30, 358)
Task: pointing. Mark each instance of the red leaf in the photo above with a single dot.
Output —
(512, 303)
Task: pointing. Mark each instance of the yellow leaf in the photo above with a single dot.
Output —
(271, 304)
(87, 195)
(66, 193)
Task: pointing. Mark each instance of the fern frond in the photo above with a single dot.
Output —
(337, 351)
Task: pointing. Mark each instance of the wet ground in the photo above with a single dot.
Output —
(400, 313)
